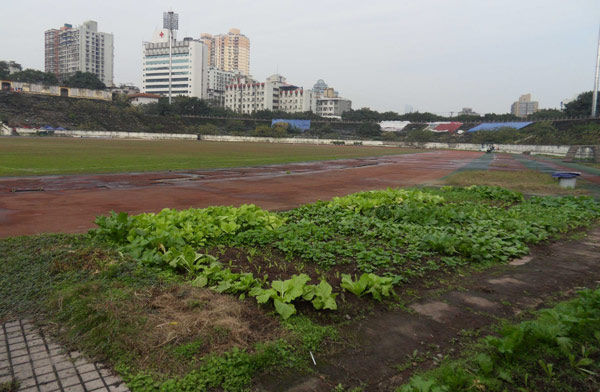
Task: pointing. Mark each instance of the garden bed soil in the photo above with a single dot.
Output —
(441, 321)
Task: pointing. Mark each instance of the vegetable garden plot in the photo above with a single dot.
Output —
(366, 243)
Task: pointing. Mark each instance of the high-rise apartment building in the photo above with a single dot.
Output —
(228, 52)
(82, 48)
(189, 69)
(524, 106)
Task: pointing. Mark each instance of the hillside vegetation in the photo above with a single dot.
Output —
(194, 116)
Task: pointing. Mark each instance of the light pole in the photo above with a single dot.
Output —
(595, 95)
(170, 22)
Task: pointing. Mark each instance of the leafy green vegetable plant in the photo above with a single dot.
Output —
(283, 293)
(377, 286)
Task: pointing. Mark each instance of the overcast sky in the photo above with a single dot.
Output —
(435, 55)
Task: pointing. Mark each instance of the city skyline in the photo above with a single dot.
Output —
(435, 56)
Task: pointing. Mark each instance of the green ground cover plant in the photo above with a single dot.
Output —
(384, 238)
(529, 181)
(557, 351)
(114, 308)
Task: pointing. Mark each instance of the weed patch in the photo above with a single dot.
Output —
(528, 181)
(557, 351)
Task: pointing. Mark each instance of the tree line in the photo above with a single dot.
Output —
(78, 79)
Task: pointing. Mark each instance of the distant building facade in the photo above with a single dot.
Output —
(320, 87)
(217, 83)
(246, 95)
(328, 102)
(333, 107)
(142, 98)
(14, 67)
(189, 66)
(468, 112)
(524, 106)
(125, 89)
(83, 48)
(228, 52)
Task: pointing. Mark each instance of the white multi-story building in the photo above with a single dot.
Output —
(333, 107)
(217, 83)
(293, 100)
(246, 95)
(83, 49)
(328, 102)
(189, 70)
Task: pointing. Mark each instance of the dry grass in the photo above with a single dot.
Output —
(526, 181)
(172, 328)
(183, 314)
(81, 259)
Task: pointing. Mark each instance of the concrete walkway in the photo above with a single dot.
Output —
(38, 365)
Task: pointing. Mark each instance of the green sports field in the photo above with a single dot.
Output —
(24, 156)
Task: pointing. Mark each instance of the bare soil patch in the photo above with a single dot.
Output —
(439, 321)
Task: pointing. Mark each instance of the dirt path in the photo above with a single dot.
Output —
(32, 205)
(388, 338)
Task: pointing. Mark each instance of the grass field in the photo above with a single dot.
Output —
(526, 181)
(42, 156)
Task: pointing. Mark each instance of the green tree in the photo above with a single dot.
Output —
(364, 114)
(4, 72)
(368, 130)
(421, 117)
(500, 117)
(582, 106)
(84, 80)
(34, 76)
(546, 114)
(267, 131)
(5, 68)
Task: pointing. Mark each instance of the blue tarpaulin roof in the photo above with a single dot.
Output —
(496, 126)
(300, 124)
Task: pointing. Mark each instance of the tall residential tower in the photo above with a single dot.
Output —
(82, 48)
(524, 106)
(229, 52)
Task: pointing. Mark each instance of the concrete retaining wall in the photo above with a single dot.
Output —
(108, 135)
(560, 151)
(516, 149)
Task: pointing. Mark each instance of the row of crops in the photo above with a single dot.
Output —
(375, 240)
